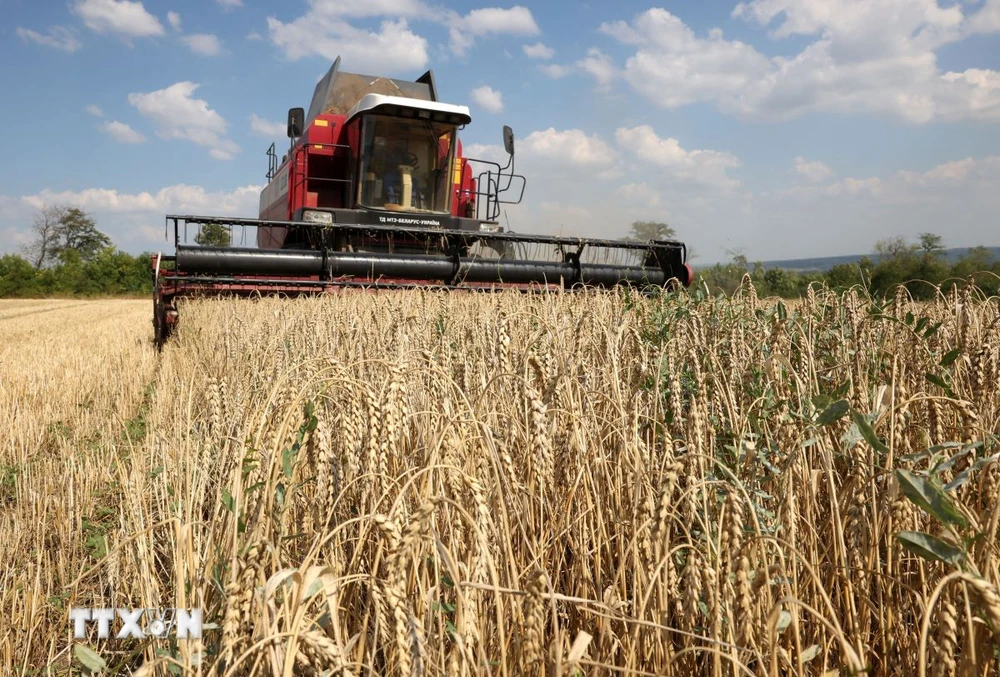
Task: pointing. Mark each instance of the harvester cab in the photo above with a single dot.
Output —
(375, 190)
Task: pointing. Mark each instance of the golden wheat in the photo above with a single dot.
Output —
(428, 483)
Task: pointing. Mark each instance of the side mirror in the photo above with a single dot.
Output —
(508, 139)
(296, 122)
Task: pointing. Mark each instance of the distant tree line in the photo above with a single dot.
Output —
(919, 266)
(69, 256)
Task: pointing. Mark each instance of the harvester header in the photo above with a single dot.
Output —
(375, 191)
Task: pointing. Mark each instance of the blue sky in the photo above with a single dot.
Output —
(776, 128)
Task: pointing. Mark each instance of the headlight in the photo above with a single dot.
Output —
(489, 228)
(325, 218)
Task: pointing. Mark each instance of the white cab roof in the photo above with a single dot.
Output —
(372, 102)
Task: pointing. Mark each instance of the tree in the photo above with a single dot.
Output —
(59, 230)
(893, 248)
(78, 233)
(651, 230)
(931, 245)
(213, 235)
(47, 236)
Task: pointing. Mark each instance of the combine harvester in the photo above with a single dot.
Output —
(375, 192)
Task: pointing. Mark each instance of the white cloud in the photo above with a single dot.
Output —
(952, 172)
(599, 66)
(639, 194)
(326, 30)
(538, 51)
(707, 167)
(229, 4)
(122, 133)
(267, 128)
(485, 151)
(323, 31)
(204, 44)
(598, 192)
(178, 115)
(254, 35)
(94, 110)
(488, 99)
(127, 19)
(572, 146)
(58, 37)
(134, 221)
(555, 71)
(987, 19)
(673, 67)
(814, 172)
(487, 21)
(174, 19)
(177, 198)
(867, 57)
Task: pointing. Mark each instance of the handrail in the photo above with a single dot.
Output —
(300, 178)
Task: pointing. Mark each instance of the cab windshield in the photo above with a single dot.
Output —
(404, 164)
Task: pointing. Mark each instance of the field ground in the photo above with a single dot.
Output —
(423, 483)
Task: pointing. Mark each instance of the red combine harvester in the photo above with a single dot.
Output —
(376, 192)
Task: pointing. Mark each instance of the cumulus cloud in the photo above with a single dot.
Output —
(599, 66)
(538, 51)
(578, 184)
(122, 17)
(488, 99)
(177, 198)
(708, 167)
(555, 71)
(814, 172)
(94, 110)
(178, 115)
(864, 57)
(267, 128)
(122, 133)
(323, 31)
(570, 146)
(204, 44)
(57, 37)
(326, 29)
(174, 19)
(487, 21)
(639, 194)
(229, 4)
(134, 221)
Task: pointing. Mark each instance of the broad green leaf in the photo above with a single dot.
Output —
(938, 381)
(821, 402)
(931, 330)
(227, 500)
(286, 459)
(950, 462)
(833, 413)
(950, 357)
(930, 547)
(930, 497)
(89, 659)
(784, 620)
(964, 476)
(865, 428)
(809, 653)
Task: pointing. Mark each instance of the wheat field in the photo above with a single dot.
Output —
(423, 483)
